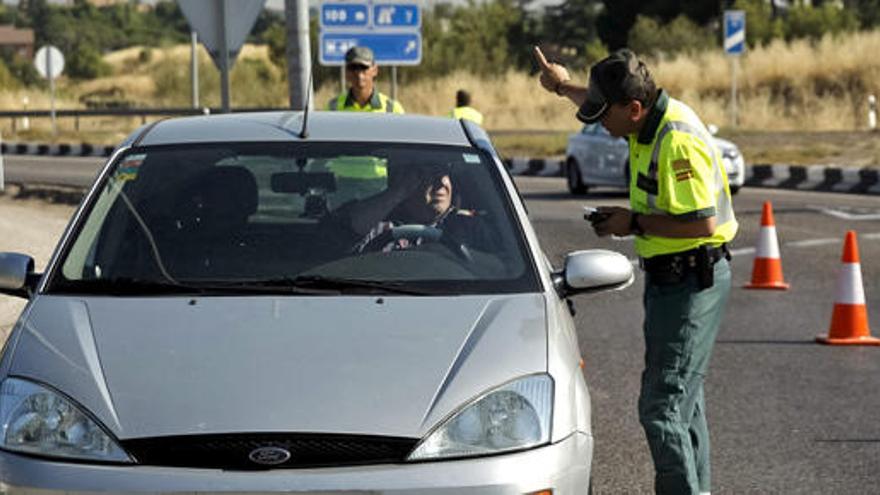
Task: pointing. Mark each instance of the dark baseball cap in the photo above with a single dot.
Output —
(619, 77)
(359, 55)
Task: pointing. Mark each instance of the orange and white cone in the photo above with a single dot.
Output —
(767, 268)
(849, 321)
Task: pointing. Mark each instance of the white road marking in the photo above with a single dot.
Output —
(844, 215)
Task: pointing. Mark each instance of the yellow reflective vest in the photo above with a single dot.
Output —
(469, 113)
(676, 170)
(378, 102)
(354, 167)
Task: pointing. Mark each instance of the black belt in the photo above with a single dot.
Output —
(671, 268)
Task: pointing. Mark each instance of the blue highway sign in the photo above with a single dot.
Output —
(734, 32)
(344, 15)
(403, 48)
(396, 15)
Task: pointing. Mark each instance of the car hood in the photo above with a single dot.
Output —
(394, 366)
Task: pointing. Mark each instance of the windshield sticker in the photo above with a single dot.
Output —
(128, 169)
(471, 158)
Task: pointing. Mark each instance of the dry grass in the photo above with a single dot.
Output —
(800, 86)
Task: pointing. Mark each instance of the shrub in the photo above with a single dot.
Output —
(649, 37)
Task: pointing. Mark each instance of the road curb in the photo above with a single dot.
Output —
(827, 178)
(58, 149)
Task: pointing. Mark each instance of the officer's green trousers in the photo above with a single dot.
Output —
(681, 322)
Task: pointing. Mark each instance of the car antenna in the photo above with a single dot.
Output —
(304, 133)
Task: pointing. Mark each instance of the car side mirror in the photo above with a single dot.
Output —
(17, 276)
(594, 270)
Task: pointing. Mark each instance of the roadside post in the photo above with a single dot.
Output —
(392, 29)
(50, 63)
(872, 112)
(734, 46)
(222, 26)
(2, 175)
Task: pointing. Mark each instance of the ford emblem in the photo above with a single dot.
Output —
(269, 456)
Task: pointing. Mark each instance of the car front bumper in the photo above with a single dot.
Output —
(563, 467)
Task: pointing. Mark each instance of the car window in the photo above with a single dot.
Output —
(257, 213)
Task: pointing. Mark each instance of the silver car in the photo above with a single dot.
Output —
(212, 321)
(595, 158)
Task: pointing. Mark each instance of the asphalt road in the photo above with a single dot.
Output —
(72, 171)
(787, 415)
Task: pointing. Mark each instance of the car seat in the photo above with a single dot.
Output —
(210, 217)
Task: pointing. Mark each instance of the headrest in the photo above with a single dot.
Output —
(222, 196)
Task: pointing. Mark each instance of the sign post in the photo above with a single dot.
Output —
(734, 46)
(50, 63)
(392, 29)
(222, 26)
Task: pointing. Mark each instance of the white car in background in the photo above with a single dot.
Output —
(595, 158)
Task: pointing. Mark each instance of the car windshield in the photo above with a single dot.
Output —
(313, 218)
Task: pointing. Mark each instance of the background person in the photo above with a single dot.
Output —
(682, 217)
(362, 96)
(463, 110)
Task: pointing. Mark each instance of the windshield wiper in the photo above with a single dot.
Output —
(342, 285)
(129, 286)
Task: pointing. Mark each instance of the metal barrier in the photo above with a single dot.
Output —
(143, 113)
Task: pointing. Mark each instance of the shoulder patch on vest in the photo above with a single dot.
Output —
(683, 170)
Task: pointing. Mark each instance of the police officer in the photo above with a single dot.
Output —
(463, 108)
(360, 72)
(682, 218)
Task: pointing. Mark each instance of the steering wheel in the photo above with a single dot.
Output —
(413, 232)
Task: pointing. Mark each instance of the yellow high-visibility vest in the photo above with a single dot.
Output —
(378, 102)
(469, 113)
(676, 170)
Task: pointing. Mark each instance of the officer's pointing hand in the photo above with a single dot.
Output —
(551, 74)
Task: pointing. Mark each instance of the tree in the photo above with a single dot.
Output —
(571, 27)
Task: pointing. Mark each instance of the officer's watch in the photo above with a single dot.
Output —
(634, 227)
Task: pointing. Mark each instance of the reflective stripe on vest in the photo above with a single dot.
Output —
(723, 206)
(338, 103)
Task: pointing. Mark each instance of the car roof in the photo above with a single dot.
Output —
(322, 126)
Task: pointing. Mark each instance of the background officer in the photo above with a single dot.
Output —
(463, 108)
(682, 217)
(361, 72)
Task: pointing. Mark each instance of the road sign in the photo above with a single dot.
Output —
(396, 15)
(388, 48)
(734, 32)
(49, 62)
(207, 19)
(391, 29)
(344, 15)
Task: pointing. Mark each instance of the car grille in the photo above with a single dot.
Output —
(237, 451)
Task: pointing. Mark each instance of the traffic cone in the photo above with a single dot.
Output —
(849, 321)
(767, 268)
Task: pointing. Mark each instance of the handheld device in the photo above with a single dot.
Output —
(593, 215)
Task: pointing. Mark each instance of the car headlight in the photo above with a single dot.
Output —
(36, 420)
(730, 153)
(514, 416)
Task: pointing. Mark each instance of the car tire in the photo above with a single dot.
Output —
(573, 178)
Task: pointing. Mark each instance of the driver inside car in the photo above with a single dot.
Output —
(418, 206)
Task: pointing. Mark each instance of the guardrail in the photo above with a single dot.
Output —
(143, 113)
